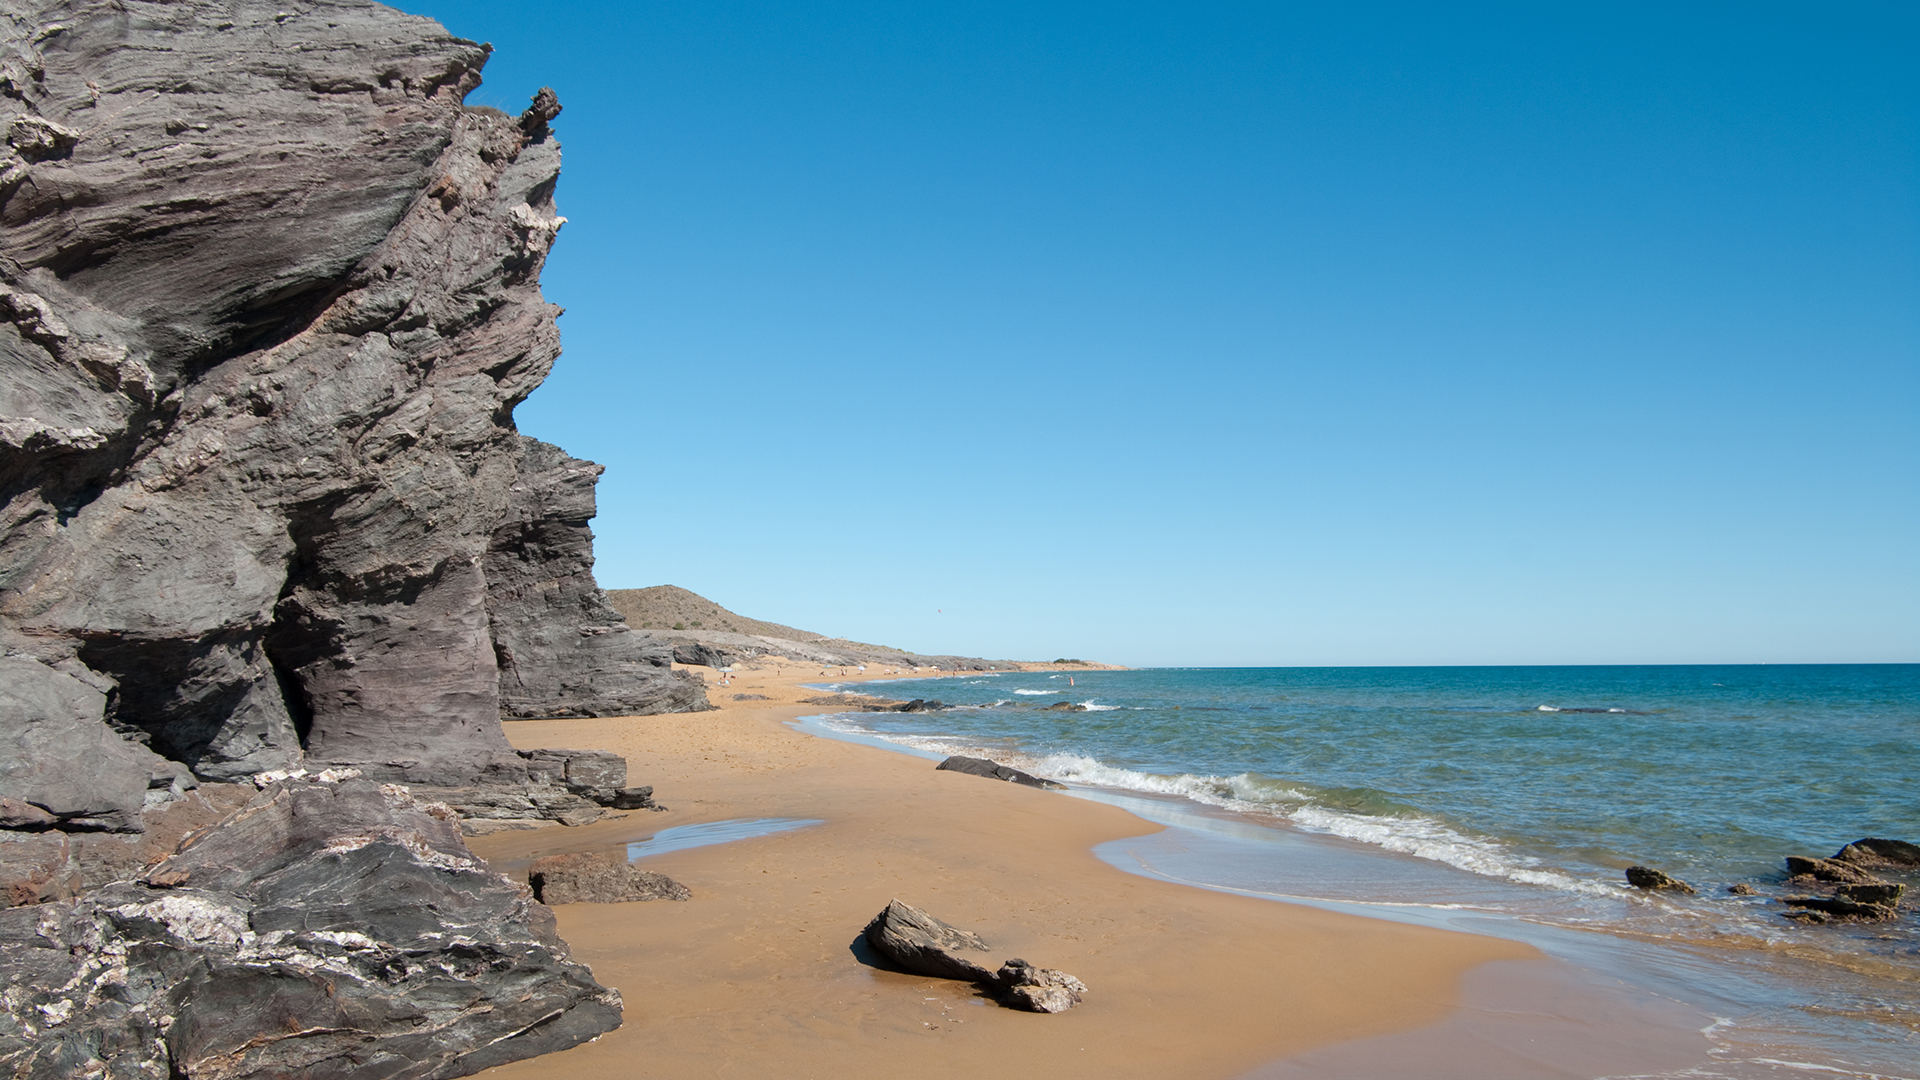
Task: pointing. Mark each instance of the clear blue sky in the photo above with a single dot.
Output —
(1261, 333)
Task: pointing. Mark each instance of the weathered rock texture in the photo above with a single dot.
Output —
(268, 298)
(920, 944)
(1646, 877)
(327, 929)
(585, 878)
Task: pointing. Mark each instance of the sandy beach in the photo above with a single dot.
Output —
(759, 973)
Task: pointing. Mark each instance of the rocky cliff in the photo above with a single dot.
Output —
(268, 297)
(269, 294)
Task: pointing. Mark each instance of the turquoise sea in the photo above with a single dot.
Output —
(1515, 795)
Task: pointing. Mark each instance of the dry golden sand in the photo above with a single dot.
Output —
(759, 974)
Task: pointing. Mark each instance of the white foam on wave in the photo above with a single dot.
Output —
(1036, 691)
(1548, 708)
(1422, 837)
(1091, 707)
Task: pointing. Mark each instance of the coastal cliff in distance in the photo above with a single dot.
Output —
(269, 294)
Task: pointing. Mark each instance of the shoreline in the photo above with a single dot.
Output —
(759, 974)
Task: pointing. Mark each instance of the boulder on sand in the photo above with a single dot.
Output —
(923, 945)
(920, 944)
(974, 766)
(1038, 989)
(593, 878)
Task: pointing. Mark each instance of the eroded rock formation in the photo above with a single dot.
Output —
(268, 297)
(328, 929)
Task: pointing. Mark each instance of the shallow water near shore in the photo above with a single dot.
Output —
(1512, 799)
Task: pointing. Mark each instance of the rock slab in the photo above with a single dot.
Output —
(920, 944)
(974, 766)
(326, 929)
(598, 879)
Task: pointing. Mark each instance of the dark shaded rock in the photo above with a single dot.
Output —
(751, 697)
(703, 654)
(1800, 868)
(1645, 877)
(1742, 889)
(1881, 854)
(1877, 902)
(61, 765)
(974, 766)
(261, 338)
(850, 702)
(1064, 706)
(325, 930)
(562, 649)
(921, 705)
(633, 798)
(598, 879)
(1045, 990)
(54, 865)
(920, 944)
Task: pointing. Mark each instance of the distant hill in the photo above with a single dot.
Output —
(670, 607)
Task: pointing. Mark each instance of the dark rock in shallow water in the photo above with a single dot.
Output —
(1024, 986)
(1828, 870)
(324, 930)
(1742, 889)
(1645, 877)
(1879, 902)
(1881, 854)
(923, 945)
(974, 766)
(1064, 706)
(598, 879)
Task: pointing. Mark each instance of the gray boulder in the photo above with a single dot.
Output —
(598, 879)
(325, 930)
(974, 766)
(1036, 989)
(920, 944)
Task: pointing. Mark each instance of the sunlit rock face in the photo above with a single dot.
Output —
(269, 293)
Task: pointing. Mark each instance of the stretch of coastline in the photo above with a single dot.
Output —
(759, 973)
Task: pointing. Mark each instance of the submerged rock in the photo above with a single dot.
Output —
(1878, 902)
(1646, 877)
(1800, 868)
(327, 929)
(598, 879)
(1064, 706)
(1881, 854)
(974, 766)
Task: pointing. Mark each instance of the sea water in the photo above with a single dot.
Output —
(1514, 798)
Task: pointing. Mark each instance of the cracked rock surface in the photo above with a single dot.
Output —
(269, 294)
(326, 929)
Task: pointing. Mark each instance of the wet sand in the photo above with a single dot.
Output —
(761, 974)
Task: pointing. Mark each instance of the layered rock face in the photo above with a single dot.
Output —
(335, 929)
(268, 297)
